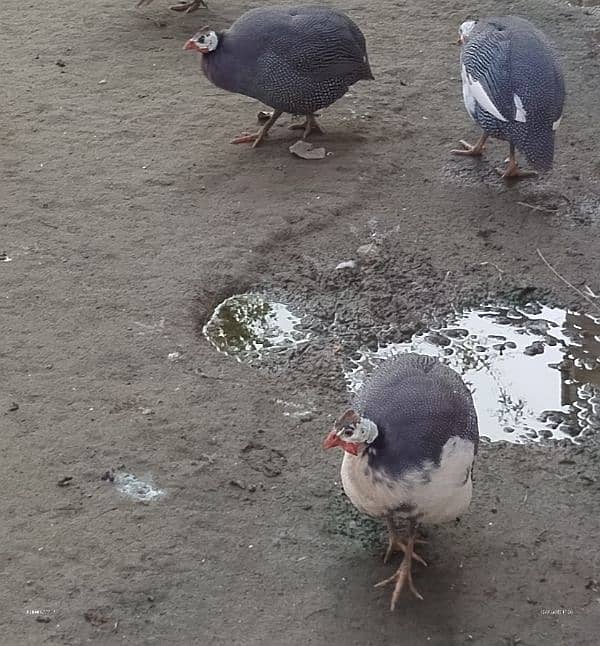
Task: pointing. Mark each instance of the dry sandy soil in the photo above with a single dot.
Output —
(128, 216)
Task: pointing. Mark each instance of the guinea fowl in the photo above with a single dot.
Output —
(294, 59)
(409, 443)
(513, 88)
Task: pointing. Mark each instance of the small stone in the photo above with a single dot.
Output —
(306, 416)
(147, 411)
(237, 483)
(537, 347)
(346, 264)
(251, 487)
(65, 482)
(102, 82)
(61, 63)
(14, 406)
(43, 619)
(150, 598)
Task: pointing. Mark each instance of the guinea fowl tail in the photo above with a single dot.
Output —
(537, 145)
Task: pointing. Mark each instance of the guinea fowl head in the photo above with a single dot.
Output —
(203, 41)
(464, 31)
(351, 431)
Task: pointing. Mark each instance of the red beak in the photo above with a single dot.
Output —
(331, 440)
(191, 44)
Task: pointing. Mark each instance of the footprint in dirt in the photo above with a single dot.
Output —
(264, 459)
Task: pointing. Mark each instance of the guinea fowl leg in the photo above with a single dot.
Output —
(403, 574)
(257, 137)
(396, 544)
(188, 7)
(513, 170)
(469, 150)
(309, 126)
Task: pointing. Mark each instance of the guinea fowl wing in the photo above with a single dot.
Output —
(486, 62)
(323, 46)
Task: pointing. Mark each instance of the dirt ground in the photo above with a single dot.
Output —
(127, 216)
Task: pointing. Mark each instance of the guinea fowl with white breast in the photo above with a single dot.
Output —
(513, 88)
(294, 59)
(409, 443)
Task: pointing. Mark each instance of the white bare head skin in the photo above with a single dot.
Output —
(357, 429)
(203, 42)
(464, 31)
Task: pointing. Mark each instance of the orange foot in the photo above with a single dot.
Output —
(188, 7)
(309, 126)
(403, 575)
(469, 150)
(257, 137)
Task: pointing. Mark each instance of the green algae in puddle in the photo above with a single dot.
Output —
(248, 326)
(343, 519)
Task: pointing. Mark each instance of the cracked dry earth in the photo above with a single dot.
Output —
(127, 218)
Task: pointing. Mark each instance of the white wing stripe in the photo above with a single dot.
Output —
(521, 112)
(475, 91)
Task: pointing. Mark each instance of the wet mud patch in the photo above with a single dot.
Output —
(136, 488)
(534, 371)
(344, 520)
(252, 327)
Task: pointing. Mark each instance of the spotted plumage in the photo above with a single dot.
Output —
(294, 59)
(513, 85)
(426, 442)
(409, 441)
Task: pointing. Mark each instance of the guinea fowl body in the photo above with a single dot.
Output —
(419, 466)
(294, 59)
(513, 85)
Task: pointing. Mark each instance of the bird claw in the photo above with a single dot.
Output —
(188, 7)
(401, 577)
(396, 545)
(512, 171)
(469, 150)
(309, 126)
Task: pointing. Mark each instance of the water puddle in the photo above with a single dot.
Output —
(534, 371)
(250, 326)
(136, 488)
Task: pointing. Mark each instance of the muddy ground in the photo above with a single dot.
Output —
(128, 216)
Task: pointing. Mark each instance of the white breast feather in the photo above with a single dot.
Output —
(444, 497)
(473, 92)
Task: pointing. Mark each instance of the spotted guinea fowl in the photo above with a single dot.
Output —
(409, 443)
(513, 88)
(294, 59)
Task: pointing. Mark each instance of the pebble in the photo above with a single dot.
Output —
(346, 264)
(537, 347)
